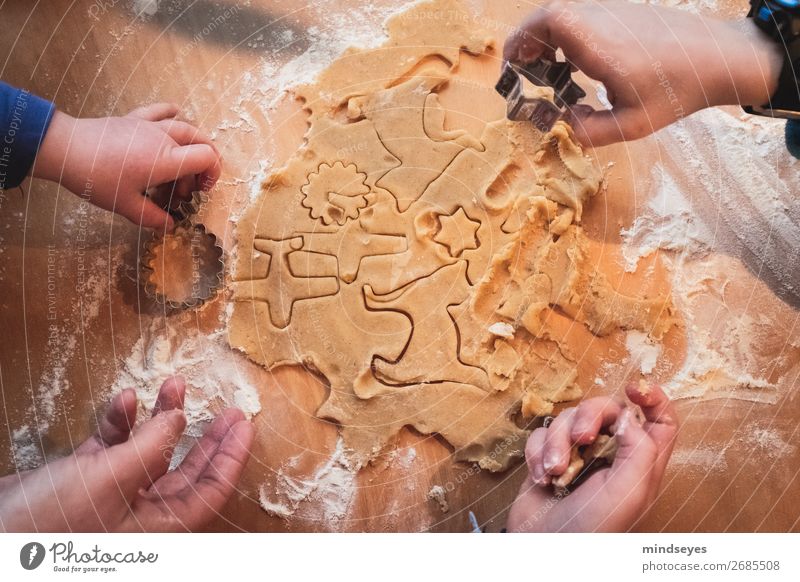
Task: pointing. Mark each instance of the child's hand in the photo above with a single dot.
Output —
(113, 161)
(658, 64)
(118, 480)
(612, 498)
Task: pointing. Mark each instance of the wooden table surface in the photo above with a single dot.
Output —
(98, 58)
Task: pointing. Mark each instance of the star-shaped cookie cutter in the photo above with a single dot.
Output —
(542, 112)
(185, 225)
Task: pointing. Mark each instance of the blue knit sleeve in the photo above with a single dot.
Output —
(24, 119)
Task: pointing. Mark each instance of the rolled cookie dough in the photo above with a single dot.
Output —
(386, 252)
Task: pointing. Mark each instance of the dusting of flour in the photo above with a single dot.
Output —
(65, 336)
(326, 496)
(262, 89)
(145, 7)
(668, 223)
(721, 200)
(642, 350)
(215, 375)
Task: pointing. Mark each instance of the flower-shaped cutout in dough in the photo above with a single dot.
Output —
(335, 193)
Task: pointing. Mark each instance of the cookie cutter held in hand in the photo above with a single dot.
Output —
(542, 112)
(189, 251)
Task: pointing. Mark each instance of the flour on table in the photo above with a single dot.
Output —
(327, 495)
(64, 337)
(643, 350)
(216, 377)
(693, 6)
(145, 7)
(721, 361)
(768, 441)
(700, 458)
(764, 442)
(722, 199)
(403, 457)
(273, 80)
(668, 223)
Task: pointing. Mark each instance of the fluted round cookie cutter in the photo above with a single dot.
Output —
(185, 216)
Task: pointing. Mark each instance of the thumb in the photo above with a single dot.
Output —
(661, 420)
(636, 453)
(115, 425)
(146, 456)
(188, 160)
(600, 128)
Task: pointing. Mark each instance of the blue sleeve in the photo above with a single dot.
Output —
(793, 137)
(24, 119)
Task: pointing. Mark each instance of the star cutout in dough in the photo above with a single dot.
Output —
(458, 232)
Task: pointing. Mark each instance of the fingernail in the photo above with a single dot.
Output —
(623, 422)
(551, 461)
(173, 414)
(539, 477)
(580, 427)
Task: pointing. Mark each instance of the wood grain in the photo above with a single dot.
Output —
(96, 59)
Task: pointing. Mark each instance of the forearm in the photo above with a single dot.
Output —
(752, 65)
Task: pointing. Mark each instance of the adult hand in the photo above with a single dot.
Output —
(658, 64)
(612, 498)
(118, 480)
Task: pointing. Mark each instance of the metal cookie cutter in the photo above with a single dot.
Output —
(184, 268)
(544, 73)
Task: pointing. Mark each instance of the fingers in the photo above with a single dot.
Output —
(191, 159)
(183, 188)
(141, 210)
(661, 419)
(116, 424)
(558, 442)
(155, 112)
(532, 40)
(170, 395)
(655, 404)
(146, 456)
(575, 427)
(218, 481)
(171, 194)
(199, 457)
(636, 453)
(591, 416)
(598, 128)
(185, 133)
(534, 450)
(548, 449)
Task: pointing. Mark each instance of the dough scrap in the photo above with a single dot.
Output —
(601, 452)
(389, 251)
